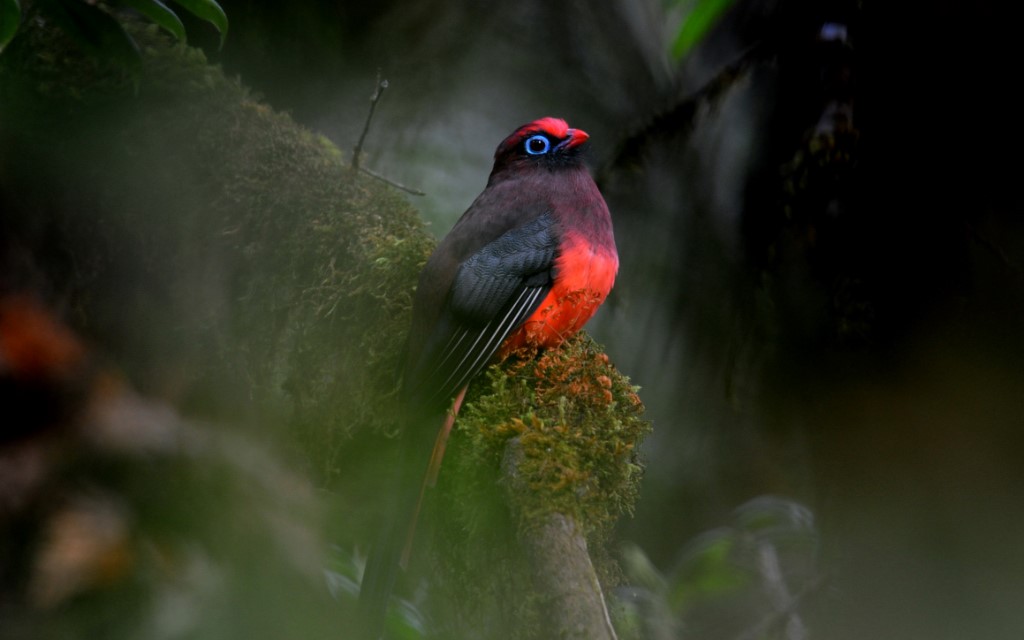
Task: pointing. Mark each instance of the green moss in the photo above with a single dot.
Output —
(578, 423)
(221, 254)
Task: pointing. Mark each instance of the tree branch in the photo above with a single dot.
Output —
(561, 567)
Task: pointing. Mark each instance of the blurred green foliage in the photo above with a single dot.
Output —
(748, 579)
(159, 13)
(96, 26)
(10, 16)
(700, 17)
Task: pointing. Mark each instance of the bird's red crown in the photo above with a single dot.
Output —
(556, 128)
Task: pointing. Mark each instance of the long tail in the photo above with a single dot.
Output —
(393, 547)
(379, 580)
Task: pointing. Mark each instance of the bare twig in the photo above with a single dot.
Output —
(388, 181)
(382, 85)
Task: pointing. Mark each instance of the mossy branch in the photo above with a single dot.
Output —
(571, 597)
(553, 439)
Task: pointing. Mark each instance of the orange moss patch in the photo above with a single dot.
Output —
(578, 422)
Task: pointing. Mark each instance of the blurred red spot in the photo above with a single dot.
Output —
(33, 345)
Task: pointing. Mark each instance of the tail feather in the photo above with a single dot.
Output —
(382, 567)
(378, 581)
(391, 551)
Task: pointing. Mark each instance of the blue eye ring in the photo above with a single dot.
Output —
(537, 145)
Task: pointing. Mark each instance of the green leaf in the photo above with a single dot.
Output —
(708, 570)
(210, 11)
(159, 13)
(10, 16)
(702, 17)
(95, 29)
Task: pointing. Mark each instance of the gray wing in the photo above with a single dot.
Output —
(494, 291)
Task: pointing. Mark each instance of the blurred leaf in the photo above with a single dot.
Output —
(727, 578)
(708, 570)
(342, 574)
(405, 622)
(641, 610)
(698, 22)
(210, 11)
(641, 570)
(628, 616)
(772, 516)
(94, 29)
(10, 16)
(159, 13)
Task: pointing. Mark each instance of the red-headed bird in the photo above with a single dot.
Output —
(527, 264)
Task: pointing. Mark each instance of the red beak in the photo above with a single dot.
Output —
(575, 138)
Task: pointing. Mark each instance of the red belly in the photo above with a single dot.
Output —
(585, 275)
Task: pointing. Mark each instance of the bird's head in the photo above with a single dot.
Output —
(547, 143)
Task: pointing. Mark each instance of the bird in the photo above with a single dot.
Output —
(525, 267)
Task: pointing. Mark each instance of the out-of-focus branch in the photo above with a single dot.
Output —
(679, 116)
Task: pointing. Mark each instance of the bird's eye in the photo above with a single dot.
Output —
(537, 145)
